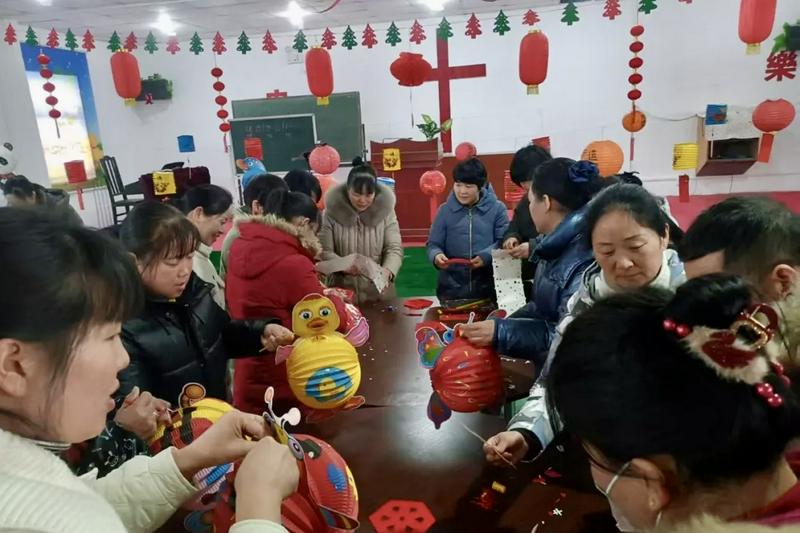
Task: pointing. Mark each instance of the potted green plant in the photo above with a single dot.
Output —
(431, 129)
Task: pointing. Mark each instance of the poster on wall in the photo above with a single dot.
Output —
(79, 129)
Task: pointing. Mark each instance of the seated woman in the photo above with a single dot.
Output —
(20, 192)
(57, 385)
(359, 219)
(681, 406)
(270, 269)
(209, 209)
(558, 196)
(629, 233)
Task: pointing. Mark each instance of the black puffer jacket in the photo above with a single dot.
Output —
(190, 339)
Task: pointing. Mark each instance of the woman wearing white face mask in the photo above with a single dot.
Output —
(681, 405)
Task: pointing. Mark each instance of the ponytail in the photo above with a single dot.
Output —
(571, 183)
(362, 178)
(289, 205)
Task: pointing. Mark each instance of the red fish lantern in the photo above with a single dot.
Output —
(319, 71)
(433, 183)
(534, 51)
(771, 116)
(756, 18)
(410, 70)
(127, 79)
(324, 159)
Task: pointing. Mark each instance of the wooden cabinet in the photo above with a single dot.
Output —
(724, 157)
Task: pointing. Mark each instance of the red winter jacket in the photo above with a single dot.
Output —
(270, 269)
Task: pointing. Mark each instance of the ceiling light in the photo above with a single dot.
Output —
(434, 5)
(295, 14)
(165, 24)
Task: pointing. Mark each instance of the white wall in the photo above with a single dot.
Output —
(692, 56)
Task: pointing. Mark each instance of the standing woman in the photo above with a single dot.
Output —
(360, 219)
(209, 209)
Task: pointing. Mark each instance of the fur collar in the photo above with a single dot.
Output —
(338, 207)
(308, 239)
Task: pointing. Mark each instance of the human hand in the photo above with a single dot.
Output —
(141, 412)
(268, 475)
(477, 262)
(511, 243)
(275, 335)
(511, 445)
(523, 251)
(478, 334)
(440, 261)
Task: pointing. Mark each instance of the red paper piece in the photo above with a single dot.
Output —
(781, 65)
(540, 480)
(402, 515)
(52, 38)
(219, 45)
(458, 261)
(530, 18)
(552, 474)
(268, 42)
(328, 39)
(88, 41)
(417, 33)
(11, 35)
(418, 303)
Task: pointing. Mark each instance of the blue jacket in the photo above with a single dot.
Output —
(462, 232)
(560, 259)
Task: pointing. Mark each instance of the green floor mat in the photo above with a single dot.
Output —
(417, 277)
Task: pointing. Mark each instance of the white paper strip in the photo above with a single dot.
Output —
(508, 281)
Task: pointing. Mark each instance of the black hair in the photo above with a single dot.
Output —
(153, 231)
(754, 233)
(471, 172)
(23, 188)
(59, 280)
(362, 178)
(213, 200)
(525, 162)
(571, 183)
(631, 178)
(628, 387)
(632, 199)
(305, 182)
(262, 184)
(288, 205)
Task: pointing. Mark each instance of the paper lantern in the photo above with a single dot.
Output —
(607, 155)
(410, 70)
(319, 72)
(534, 50)
(771, 116)
(185, 144)
(324, 159)
(466, 150)
(684, 156)
(127, 79)
(432, 183)
(756, 18)
(634, 121)
(76, 171)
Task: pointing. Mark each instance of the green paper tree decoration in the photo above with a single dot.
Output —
(570, 14)
(349, 39)
(114, 43)
(646, 6)
(70, 41)
(30, 37)
(150, 43)
(445, 30)
(393, 35)
(300, 43)
(196, 44)
(243, 45)
(501, 24)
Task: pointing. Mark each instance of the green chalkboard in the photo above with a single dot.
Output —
(283, 139)
(338, 124)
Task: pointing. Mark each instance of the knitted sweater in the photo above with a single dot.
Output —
(38, 493)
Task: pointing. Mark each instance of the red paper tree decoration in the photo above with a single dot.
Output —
(268, 42)
(11, 35)
(172, 45)
(47, 74)
(530, 18)
(417, 33)
(473, 27)
(612, 9)
(52, 38)
(329, 39)
(88, 41)
(219, 45)
(131, 42)
(221, 101)
(368, 38)
(781, 65)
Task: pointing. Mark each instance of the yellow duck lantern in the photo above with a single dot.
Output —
(322, 364)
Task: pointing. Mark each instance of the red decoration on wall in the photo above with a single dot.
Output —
(473, 27)
(635, 120)
(534, 51)
(11, 35)
(756, 18)
(276, 94)
(781, 65)
(410, 70)
(268, 43)
(417, 33)
(319, 72)
(612, 9)
(771, 116)
(221, 100)
(52, 38)
(219, 45)
(172, 45)
(47, 74)
(88, 41)
(131, 43)
(328, 39)
(530, 18)
(368, 37)
(127, 79)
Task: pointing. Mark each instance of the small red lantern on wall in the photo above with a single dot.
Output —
(127, 79)
(410, 70)
(319, 72)
(771, 116)
(756, 18)
(534, 51)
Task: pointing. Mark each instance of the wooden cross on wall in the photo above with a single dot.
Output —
(442, 74)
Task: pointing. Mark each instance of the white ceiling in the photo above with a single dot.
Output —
(229, 16)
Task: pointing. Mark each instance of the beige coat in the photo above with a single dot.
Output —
(374, 233)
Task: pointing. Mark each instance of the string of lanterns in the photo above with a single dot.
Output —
(49, 87)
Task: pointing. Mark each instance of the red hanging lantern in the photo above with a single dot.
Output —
(635, 120)
(324, 159)
(756, 18)
(221, 100)
(320, 74)
(127, 79)
(47, 74)
(466, 150)
(433, 183)
(410, 70)
(467, 378)
(534, 51)
(771, 116)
